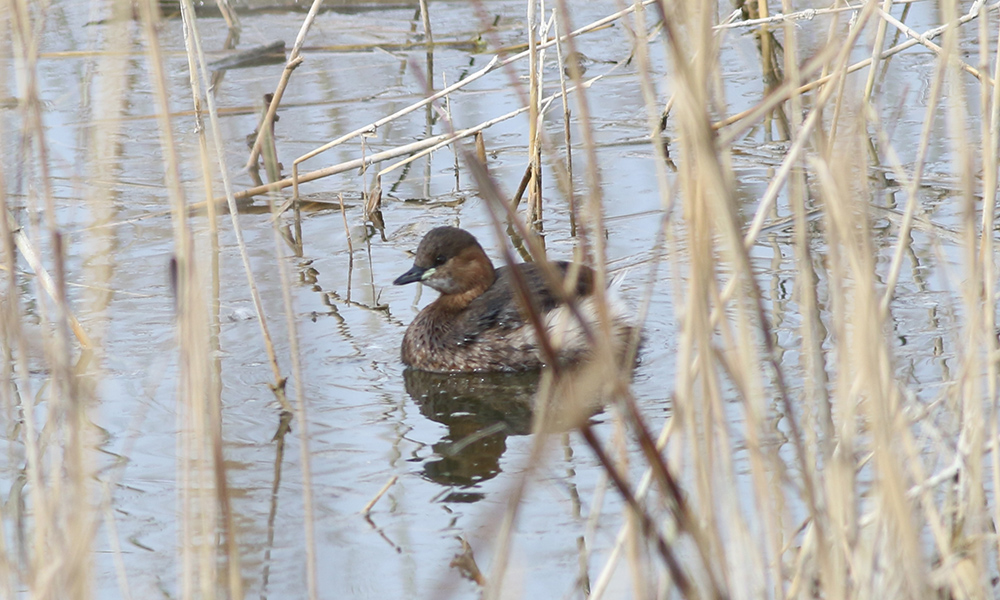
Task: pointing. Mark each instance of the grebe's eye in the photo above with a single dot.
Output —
(440, 260)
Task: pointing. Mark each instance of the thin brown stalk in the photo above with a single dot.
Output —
(645, 483)
(677, 574)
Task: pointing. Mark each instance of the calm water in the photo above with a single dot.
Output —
(369, 420)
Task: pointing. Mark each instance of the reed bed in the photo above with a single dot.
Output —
(797, 459)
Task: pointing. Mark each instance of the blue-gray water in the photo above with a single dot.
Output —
(364, 425)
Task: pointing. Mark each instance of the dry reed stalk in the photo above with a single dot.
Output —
(842, 519)
(43, 279)
(100, 161)
(653, 116)
(414, 150)
(647, 479)
(300, 410)
(547, 148)
(971, 515)
(347, 230)
(767, 58)
(816, 394)
(679, 577)
(920, 39)
(648, 88)
(265, 127)
(786, 18)
(535, 66)
(208, 419)
(305, 457)
(213, 426)
(859, 324)
(290, 318)
(705, 187)
(480, 149)
(567, 134)
(300, 406)
(912, 183)
(373, 201)
(592, 240)
(971, 433)
(425, 20)
(11, 334)
(60, 527)
(751, 116)
(278, 386)
(877, 50)
(495, 63)
(548, 388)
(18, 391)
(799, 144)
(294, 60)
(231, 17)
(493, 586)
(378, 495)
(440, 141)
(990, 105)
(642, 489)
(830, 542)
(190, 392)
(478, 138)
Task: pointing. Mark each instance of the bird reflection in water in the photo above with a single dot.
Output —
(480, 410)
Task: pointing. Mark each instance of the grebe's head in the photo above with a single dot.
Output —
(451, 261)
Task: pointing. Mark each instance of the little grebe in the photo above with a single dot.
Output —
(477, 324)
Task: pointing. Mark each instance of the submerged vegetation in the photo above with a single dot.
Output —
(815, 410)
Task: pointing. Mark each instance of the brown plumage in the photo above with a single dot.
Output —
(476, 324)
